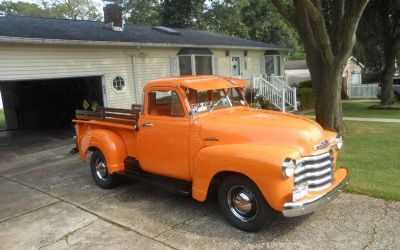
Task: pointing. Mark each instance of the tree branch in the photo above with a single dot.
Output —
(337, 23)
(286, 12)
(319, 28)
(352, 17)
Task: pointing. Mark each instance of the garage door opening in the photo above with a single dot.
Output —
(49, 103)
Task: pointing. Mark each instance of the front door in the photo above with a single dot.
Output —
(236, 70)
(163, 135)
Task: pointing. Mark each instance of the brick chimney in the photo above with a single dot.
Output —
(113, 16)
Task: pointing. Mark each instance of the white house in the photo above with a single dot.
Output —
(297, 71)
(49, 66)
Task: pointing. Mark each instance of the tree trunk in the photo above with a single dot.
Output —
(387, 92)
(328, 106)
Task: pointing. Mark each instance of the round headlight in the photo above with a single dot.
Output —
(339, 142)
(288, 167)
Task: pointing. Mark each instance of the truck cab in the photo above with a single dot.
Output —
(194, 133)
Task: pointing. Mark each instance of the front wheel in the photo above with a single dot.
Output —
(98, 167)
(242, 204)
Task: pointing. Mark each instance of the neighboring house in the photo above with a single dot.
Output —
(46, 61)
(297, 72)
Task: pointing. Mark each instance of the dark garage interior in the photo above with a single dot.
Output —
(50, 103)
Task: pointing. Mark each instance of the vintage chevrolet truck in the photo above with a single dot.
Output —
(196, 134)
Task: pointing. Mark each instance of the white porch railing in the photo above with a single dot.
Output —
(280, 82)
(274, 89)
(273, 94)
(363, 90)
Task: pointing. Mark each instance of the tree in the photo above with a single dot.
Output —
(327, 29)
(145, 12)
(265, 24)
(72, 9)
(182, 13)
(378, 42)
(225, 17)
(21, 9)
(76, 9)
(390, 12)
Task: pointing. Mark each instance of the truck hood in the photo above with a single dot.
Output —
(251, 126)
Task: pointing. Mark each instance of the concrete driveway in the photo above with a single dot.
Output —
(49, 201)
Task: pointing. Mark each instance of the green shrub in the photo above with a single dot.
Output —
(305, 84)
(250, 94)
(306, 98)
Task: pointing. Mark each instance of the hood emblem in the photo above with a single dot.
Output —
(210, 139)
(322, 145)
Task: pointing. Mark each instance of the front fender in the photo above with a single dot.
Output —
(109, 143)
(261, 163)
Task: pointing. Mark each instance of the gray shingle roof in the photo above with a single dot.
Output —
(79, 30)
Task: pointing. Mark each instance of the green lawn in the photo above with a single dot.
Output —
(360, 109)
(2, 120)
(372, 154)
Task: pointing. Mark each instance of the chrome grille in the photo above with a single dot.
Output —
(316, 171)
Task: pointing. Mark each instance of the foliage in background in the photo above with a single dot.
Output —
(2, 119)
(251, 19)
(250, 94)
(146, 12)
(378, 43)
(306, 98)
(182, 13)
(71, 9)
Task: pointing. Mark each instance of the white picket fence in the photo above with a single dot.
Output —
(363, 91)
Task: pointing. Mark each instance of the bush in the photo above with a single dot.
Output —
(250, 94)
(306, 98)
(305, 84)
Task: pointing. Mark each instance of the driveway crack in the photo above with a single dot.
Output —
(372, 237)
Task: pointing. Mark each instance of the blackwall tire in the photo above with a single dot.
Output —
(98, 167)
(242, 204)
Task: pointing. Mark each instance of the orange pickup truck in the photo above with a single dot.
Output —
(197, 134)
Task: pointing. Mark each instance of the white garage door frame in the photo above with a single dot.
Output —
(102, 76)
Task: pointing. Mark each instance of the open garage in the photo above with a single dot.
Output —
(49, 103)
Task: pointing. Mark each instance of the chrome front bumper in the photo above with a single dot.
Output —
(292, 209)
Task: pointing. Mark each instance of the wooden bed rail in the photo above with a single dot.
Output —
(115, 115)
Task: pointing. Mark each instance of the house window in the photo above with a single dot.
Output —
(118, 84)
(185, 65)
(273, 65)
(195, 61)
(203, 65)
(195, 65)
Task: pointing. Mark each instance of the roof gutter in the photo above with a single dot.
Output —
(24, 40)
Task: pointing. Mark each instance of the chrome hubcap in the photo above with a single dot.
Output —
(242, 203)
(101, 169)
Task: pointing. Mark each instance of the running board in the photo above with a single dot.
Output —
(133, 170)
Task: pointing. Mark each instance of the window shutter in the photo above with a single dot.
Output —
(215, 65)
(174, 64)
(262, 65)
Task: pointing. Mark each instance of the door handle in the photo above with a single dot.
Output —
(147, 124)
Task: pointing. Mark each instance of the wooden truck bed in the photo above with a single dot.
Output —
(113, 115)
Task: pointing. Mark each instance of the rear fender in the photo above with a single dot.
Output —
(260, 163)
(109, 143)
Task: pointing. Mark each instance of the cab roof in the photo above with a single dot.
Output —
(198, 82)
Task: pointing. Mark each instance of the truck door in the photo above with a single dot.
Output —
(163, 135)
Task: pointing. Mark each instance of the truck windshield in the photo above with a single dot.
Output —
(209, 100)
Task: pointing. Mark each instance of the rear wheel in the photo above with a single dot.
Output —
(242, 204)
(98, 166)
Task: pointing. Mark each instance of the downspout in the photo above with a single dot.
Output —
(134, 74)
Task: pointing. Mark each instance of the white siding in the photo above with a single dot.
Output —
(40, 62)
(20, 62)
